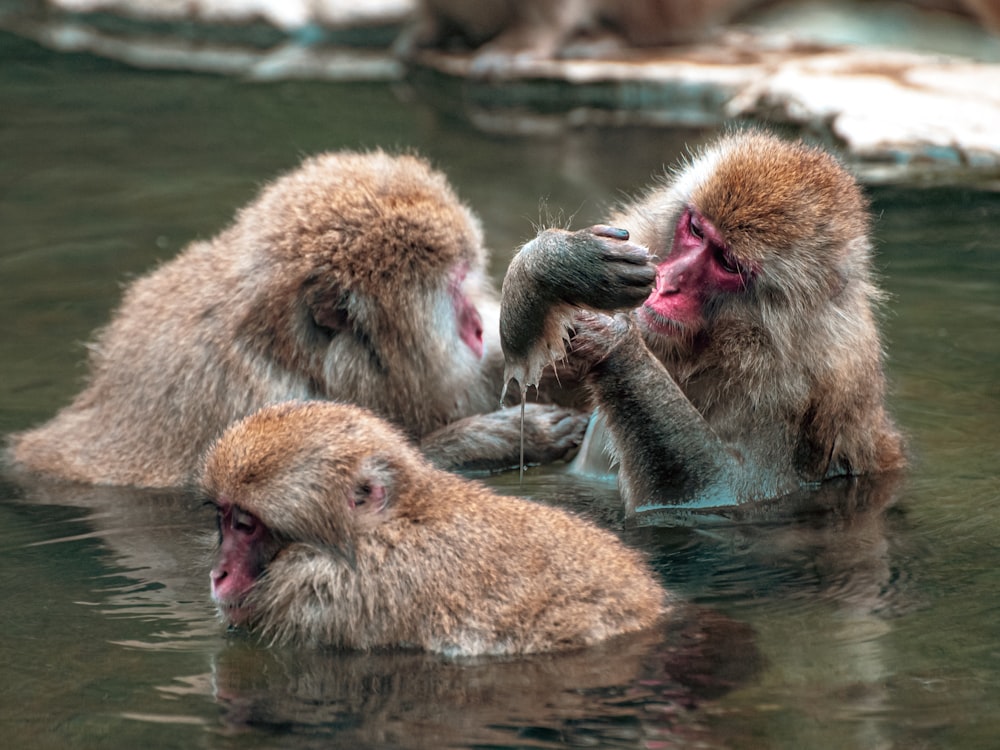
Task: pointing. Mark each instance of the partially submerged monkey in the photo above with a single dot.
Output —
(334, 531)
(754, 367)
(357, 277)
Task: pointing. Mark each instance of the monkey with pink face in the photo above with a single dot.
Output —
(357, 277)
(334, 531)
(754, 366)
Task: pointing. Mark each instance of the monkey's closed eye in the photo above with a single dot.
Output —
(728, 263)
(695, 227)
(369, 497)
(243, 522)
(361, 496)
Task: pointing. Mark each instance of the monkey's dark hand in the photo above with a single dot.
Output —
(596, 268)
(493, 441)
(596, 335)
(556, 274)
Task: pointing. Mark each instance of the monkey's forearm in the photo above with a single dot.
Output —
(668, 454)
(492, 441)
(526, 304)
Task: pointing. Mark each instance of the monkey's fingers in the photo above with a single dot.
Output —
(624, 287)
(552, 433)
(595, 335)
(620, 251)
(612, 233)
(632, 275)
(627, 254)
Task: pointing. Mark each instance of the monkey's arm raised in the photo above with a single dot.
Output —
(668, 455)
(493, 441)
(551, 277)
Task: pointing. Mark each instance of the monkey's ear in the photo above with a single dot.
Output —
(328, 308)
(373, 488)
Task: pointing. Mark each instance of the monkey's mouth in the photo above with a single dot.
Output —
(660, 324)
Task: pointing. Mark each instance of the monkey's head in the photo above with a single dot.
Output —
(754, 229)
(317, 474)
(363, 277)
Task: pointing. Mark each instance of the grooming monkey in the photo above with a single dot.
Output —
(357, 277)
(754, 367)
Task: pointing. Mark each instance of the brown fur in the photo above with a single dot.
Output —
(785, 377)
(803, 348)
(501, 30)
(446, 566)
(332, 284)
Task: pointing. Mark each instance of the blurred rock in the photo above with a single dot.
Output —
(885, 105)
(284, 14)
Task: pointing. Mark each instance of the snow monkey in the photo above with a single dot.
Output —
(357, 277)
(754, 366)
(334, 531)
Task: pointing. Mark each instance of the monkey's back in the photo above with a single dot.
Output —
(163, 378)
(494, 574)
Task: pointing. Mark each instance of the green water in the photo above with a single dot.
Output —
(875, 628)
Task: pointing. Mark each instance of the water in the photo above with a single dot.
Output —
(872, 624)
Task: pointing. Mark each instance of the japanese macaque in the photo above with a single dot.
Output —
(502, 30)
(548, 28)
(357, 277)
(754, 367)
(334, 531)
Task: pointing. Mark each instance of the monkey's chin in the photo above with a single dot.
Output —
(660, 324)
(234, 614)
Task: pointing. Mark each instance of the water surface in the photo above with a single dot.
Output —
(871, 621)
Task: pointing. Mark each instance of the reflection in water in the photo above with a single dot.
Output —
(831, 542)
(822, 564)
(160, 541)
(643, 687)
(819, 573)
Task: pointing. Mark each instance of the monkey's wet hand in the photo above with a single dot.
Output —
(493, 441)
(598, 268)
(551, 432)
(553, 276)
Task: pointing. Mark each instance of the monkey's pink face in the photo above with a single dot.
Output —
(246, 547)
(700, 265)
(470, 324)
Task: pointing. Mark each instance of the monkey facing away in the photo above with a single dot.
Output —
(357, 277)
(334, 531)
(754, 367)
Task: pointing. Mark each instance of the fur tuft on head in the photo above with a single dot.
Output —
(336, 208)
